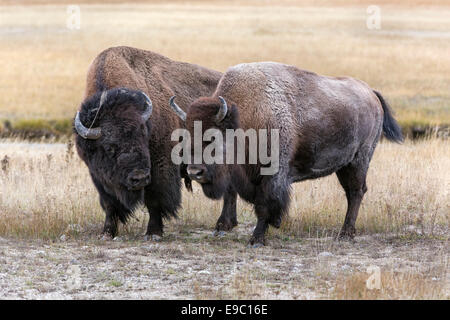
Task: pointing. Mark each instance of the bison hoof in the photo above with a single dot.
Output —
(219, 233)
(106, 237)
(156, 238)
(225, 225)
(256, 242)
(152, 237)
(344, 237)
(255, 245)
(347, 235)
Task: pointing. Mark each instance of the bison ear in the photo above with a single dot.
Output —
(227, 116)
(231, 119)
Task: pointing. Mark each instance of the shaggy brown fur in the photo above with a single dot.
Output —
(325, 125)
(127, 148)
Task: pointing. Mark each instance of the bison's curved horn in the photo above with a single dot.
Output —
(90, 133)
(222, 111)
(148, 111)
(177, 109)
(86, 133)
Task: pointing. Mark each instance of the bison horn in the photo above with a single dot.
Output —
(148, 111)
(90, 133)
(86, 133)
(177, 109)
(222, 111)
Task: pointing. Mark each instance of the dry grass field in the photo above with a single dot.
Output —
(44, 63)
(50, 217)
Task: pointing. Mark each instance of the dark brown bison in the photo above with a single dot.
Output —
(123, 131)
(325, 125)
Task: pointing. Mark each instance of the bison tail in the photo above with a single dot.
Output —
(391, 129)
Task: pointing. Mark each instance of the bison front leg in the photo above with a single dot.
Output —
(110, 226)
(353, 180)
(264, 219)
(155, 225)
(271, 203)
(258, 237)
(113, 210)
(163, 196)
(228, 219)
(162, 199)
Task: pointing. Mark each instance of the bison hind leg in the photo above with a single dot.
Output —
(353, 179)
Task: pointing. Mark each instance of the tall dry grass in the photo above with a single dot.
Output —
(44, 64)
(46, 191)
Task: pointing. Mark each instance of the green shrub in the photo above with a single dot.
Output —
(36, 128)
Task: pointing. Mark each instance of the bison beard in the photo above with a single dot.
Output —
(119, 202)
(130, 199)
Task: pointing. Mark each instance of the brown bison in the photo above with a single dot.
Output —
(123, 131)
(325, 125)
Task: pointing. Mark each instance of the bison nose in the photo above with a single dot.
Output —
(196, 172)
(138, 179)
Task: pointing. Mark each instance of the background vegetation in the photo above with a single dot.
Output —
(44, 63)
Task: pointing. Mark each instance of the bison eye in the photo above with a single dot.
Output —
(110, 150)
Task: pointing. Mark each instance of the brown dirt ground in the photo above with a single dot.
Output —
(195, 265)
